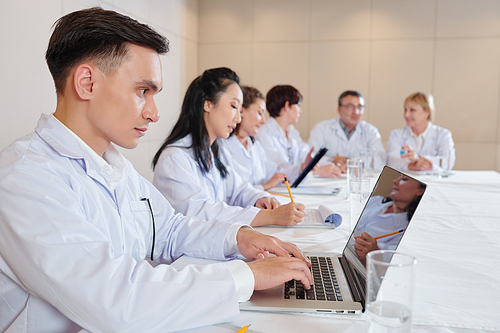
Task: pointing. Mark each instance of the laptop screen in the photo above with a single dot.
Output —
(385, 217)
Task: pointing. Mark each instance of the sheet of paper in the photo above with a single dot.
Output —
(310, 190)
(323, 217)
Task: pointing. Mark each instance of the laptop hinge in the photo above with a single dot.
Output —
(351, 281)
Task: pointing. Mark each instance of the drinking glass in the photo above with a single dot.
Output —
(444, 165)
(360, 191)
(354, 170)
(369, 168)
(389, 294)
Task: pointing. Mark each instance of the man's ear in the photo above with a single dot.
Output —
(83, 81)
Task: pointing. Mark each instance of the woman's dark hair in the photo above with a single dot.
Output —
(412, 206)
(97, 35)
(250, 95)
(207, 87)
(277, 97)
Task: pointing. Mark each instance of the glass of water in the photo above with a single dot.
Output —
(360, 191)
(444, 165)
(369, 167)
(389, 293)
(354, 170)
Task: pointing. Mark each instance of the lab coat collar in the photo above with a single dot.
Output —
(280, 133)
(428, 135)
(68, 144)
(213, 174)
(56, 135)
(234, 140)
(423, 134)
(346, 130)
(337, 130)
(186, 142)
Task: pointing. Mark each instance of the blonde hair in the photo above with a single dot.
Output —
(426, 101)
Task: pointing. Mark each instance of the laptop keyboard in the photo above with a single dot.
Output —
(326, 287)
(361, 279)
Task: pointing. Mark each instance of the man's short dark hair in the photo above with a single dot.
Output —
(97, 35)
(349, 93)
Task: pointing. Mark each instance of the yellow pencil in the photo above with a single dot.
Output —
(276, 193)
(392, 233)
(243, 329)
(288, 187)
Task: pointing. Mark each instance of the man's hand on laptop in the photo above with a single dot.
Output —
(271, 272)
(289, 263)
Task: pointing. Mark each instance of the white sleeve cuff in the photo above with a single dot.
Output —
(230, 245)
(259, 188)
(243, 279)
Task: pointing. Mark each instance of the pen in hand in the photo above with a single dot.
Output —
(390, 234)
(288, 187)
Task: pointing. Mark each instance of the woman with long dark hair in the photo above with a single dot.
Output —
(195, 174)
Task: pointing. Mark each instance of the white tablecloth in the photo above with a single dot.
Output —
(454, 235)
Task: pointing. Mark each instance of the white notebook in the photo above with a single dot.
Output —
(323, 217)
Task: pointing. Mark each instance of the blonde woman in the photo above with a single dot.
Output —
(416, 147)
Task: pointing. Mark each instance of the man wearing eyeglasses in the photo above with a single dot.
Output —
(348, 135)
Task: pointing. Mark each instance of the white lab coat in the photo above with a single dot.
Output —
(73, 248)
(376, 223)
(438, 141)
(329, 134)
(250, 163)
(288, 154)
(208, 196)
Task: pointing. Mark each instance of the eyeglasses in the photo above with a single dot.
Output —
(154, 227)
(352, 107)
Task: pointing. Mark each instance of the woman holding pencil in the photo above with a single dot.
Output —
(385, 218)
(196, 176)
(249, 157)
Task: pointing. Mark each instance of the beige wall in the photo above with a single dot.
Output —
(386, 49)
(26, 88)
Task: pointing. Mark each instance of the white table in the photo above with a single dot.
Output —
(455, 236)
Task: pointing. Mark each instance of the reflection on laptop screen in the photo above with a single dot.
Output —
(386, 216)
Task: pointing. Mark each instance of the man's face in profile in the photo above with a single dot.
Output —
(351, 110)
(124, 104)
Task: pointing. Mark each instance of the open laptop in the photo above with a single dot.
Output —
(340, 280)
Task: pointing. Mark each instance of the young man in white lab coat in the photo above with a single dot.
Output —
(79, 226)
(348, 135)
